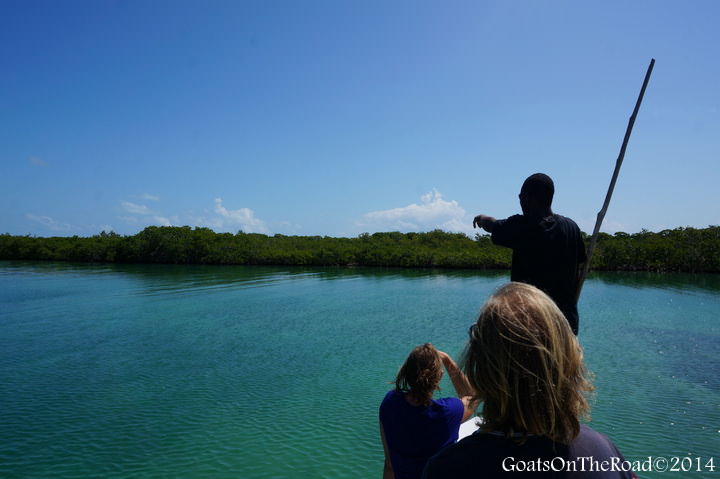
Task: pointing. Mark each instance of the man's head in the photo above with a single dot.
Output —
(536, 194)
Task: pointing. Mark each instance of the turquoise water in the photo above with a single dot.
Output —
(226, 372)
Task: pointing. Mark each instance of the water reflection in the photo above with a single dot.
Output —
(162, 279)
(690, 356)
(673, 281)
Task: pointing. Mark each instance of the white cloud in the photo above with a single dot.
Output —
(609, 225)
(128, 219)
(432, 213)
(49, 223)
(162, 221)
(148, 196)
(215, 224)
(150, 216)
(35, 161)
(219, 219)
(243, 218)
(149, 220)
(612, 227)
(136, 209)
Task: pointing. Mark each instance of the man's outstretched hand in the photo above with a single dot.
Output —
(477, 222)
(485, 222)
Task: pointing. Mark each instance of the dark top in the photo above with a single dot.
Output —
(546, 253)
(492, 455)
(414, 433)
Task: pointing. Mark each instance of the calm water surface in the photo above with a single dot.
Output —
(226, 372)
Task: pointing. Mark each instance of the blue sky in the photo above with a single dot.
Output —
(337, 118)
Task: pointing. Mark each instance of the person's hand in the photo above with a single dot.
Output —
(485, 222)
(444, 357)
(477, 222)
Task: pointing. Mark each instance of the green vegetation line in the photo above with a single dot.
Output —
(680, 249)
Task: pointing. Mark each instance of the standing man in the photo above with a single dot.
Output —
(547, 248)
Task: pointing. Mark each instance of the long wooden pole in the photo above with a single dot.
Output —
(618, 164)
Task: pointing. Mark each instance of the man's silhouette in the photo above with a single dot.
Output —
(547, 248)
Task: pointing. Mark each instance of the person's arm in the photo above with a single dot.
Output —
(485, 222)
(388, 472)
(462, 386)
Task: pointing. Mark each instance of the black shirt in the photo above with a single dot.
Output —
(546, 253)
(590, 455)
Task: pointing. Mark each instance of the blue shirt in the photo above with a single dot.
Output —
(415, 433)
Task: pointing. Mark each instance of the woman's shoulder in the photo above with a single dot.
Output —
(589, 438)
(392, 395)
(449, 407)
(391, 404)
(461, 458)
(448, 402)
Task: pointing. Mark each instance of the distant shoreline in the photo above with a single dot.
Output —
(692, 250)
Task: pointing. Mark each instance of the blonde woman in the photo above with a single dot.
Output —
(413, 425)
(525, 364)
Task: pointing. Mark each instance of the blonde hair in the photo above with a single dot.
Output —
(420, 375)
(526, 365)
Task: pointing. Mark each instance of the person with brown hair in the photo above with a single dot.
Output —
(526, 365)
(413, 425)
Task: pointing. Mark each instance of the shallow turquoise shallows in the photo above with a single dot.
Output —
(247, 372)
